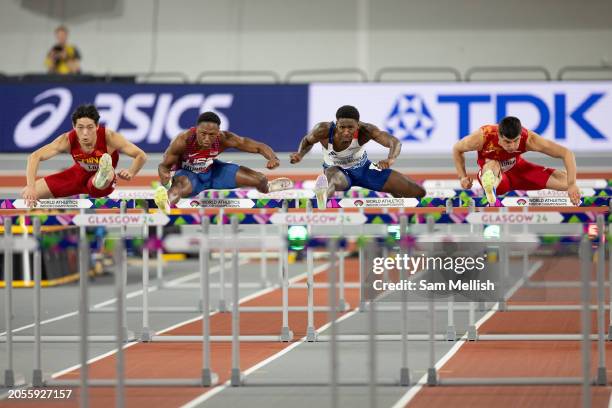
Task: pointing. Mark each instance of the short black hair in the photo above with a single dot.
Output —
(510, 127)
(347, 112)
(85, 111)
(209, 117)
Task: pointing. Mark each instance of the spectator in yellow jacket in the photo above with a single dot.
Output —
(63, 58)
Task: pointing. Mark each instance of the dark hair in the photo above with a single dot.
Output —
(209, 117)
(347, 112)
(510, 127)
(85, 111)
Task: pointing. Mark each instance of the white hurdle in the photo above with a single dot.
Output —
(10, 245)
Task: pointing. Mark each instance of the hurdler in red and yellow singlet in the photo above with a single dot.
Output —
(95, 151)
(503, 169)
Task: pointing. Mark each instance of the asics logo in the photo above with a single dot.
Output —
(27, 134)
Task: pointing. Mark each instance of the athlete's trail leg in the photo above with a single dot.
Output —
(246, 177)
(557, 181)
(42, 189)
(400, 185)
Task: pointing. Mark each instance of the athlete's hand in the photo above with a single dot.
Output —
(295, 158)
(29, 195)
(385, 164)
(466, 182)
(273, 163)
(125, 174)
(574, 194)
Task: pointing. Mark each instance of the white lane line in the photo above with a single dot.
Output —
(186, 322)
(413, 391)
(209, 394)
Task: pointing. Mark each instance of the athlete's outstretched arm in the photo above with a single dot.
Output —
(318, 133)
(537, 143)
(249, 145)
(387, 140)
(470, 143)
(171, 157)
(120, 143)
(60, 145)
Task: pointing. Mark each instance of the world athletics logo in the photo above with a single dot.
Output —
(410, 119)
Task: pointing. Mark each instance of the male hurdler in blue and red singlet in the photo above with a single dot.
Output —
(95, 151)
(345, 161)
(502, 168)
(195, 153)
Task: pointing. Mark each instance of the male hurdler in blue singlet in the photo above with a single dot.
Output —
(345, 161)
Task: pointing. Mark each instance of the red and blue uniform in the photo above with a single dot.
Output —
(202, 167)
(78, 179)
(517, 173)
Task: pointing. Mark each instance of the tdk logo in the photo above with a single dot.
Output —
(410, 119)
(140, 117)
(559, 113)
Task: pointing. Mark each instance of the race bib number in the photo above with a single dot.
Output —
(508, 164)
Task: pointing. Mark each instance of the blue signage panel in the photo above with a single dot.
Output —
(150, 116)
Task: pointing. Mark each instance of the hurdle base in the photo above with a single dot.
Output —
(476, 381)
(451, 333)
(432, 376)
(237, 378)
(286, 334)
(128, 382)
(343, 306)
(128, 335)
(311, 334)
(9, 378)
(602, 377)
(223, 306)
(472, 333)
(147, 335)
(502, 306)
(404, 377)
(209, 378)
(37, 378)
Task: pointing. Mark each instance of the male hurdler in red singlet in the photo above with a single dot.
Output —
(195, 151)
(502, 168)
(95, 150)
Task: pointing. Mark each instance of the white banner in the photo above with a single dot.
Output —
(56, 203)
(378, 202)
(215, 203)
(113, 220)
(553, 201)
(132, 194)
(318, 219)
(430, 118)
(515, 218)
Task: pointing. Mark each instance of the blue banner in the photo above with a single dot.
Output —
(150, 116)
